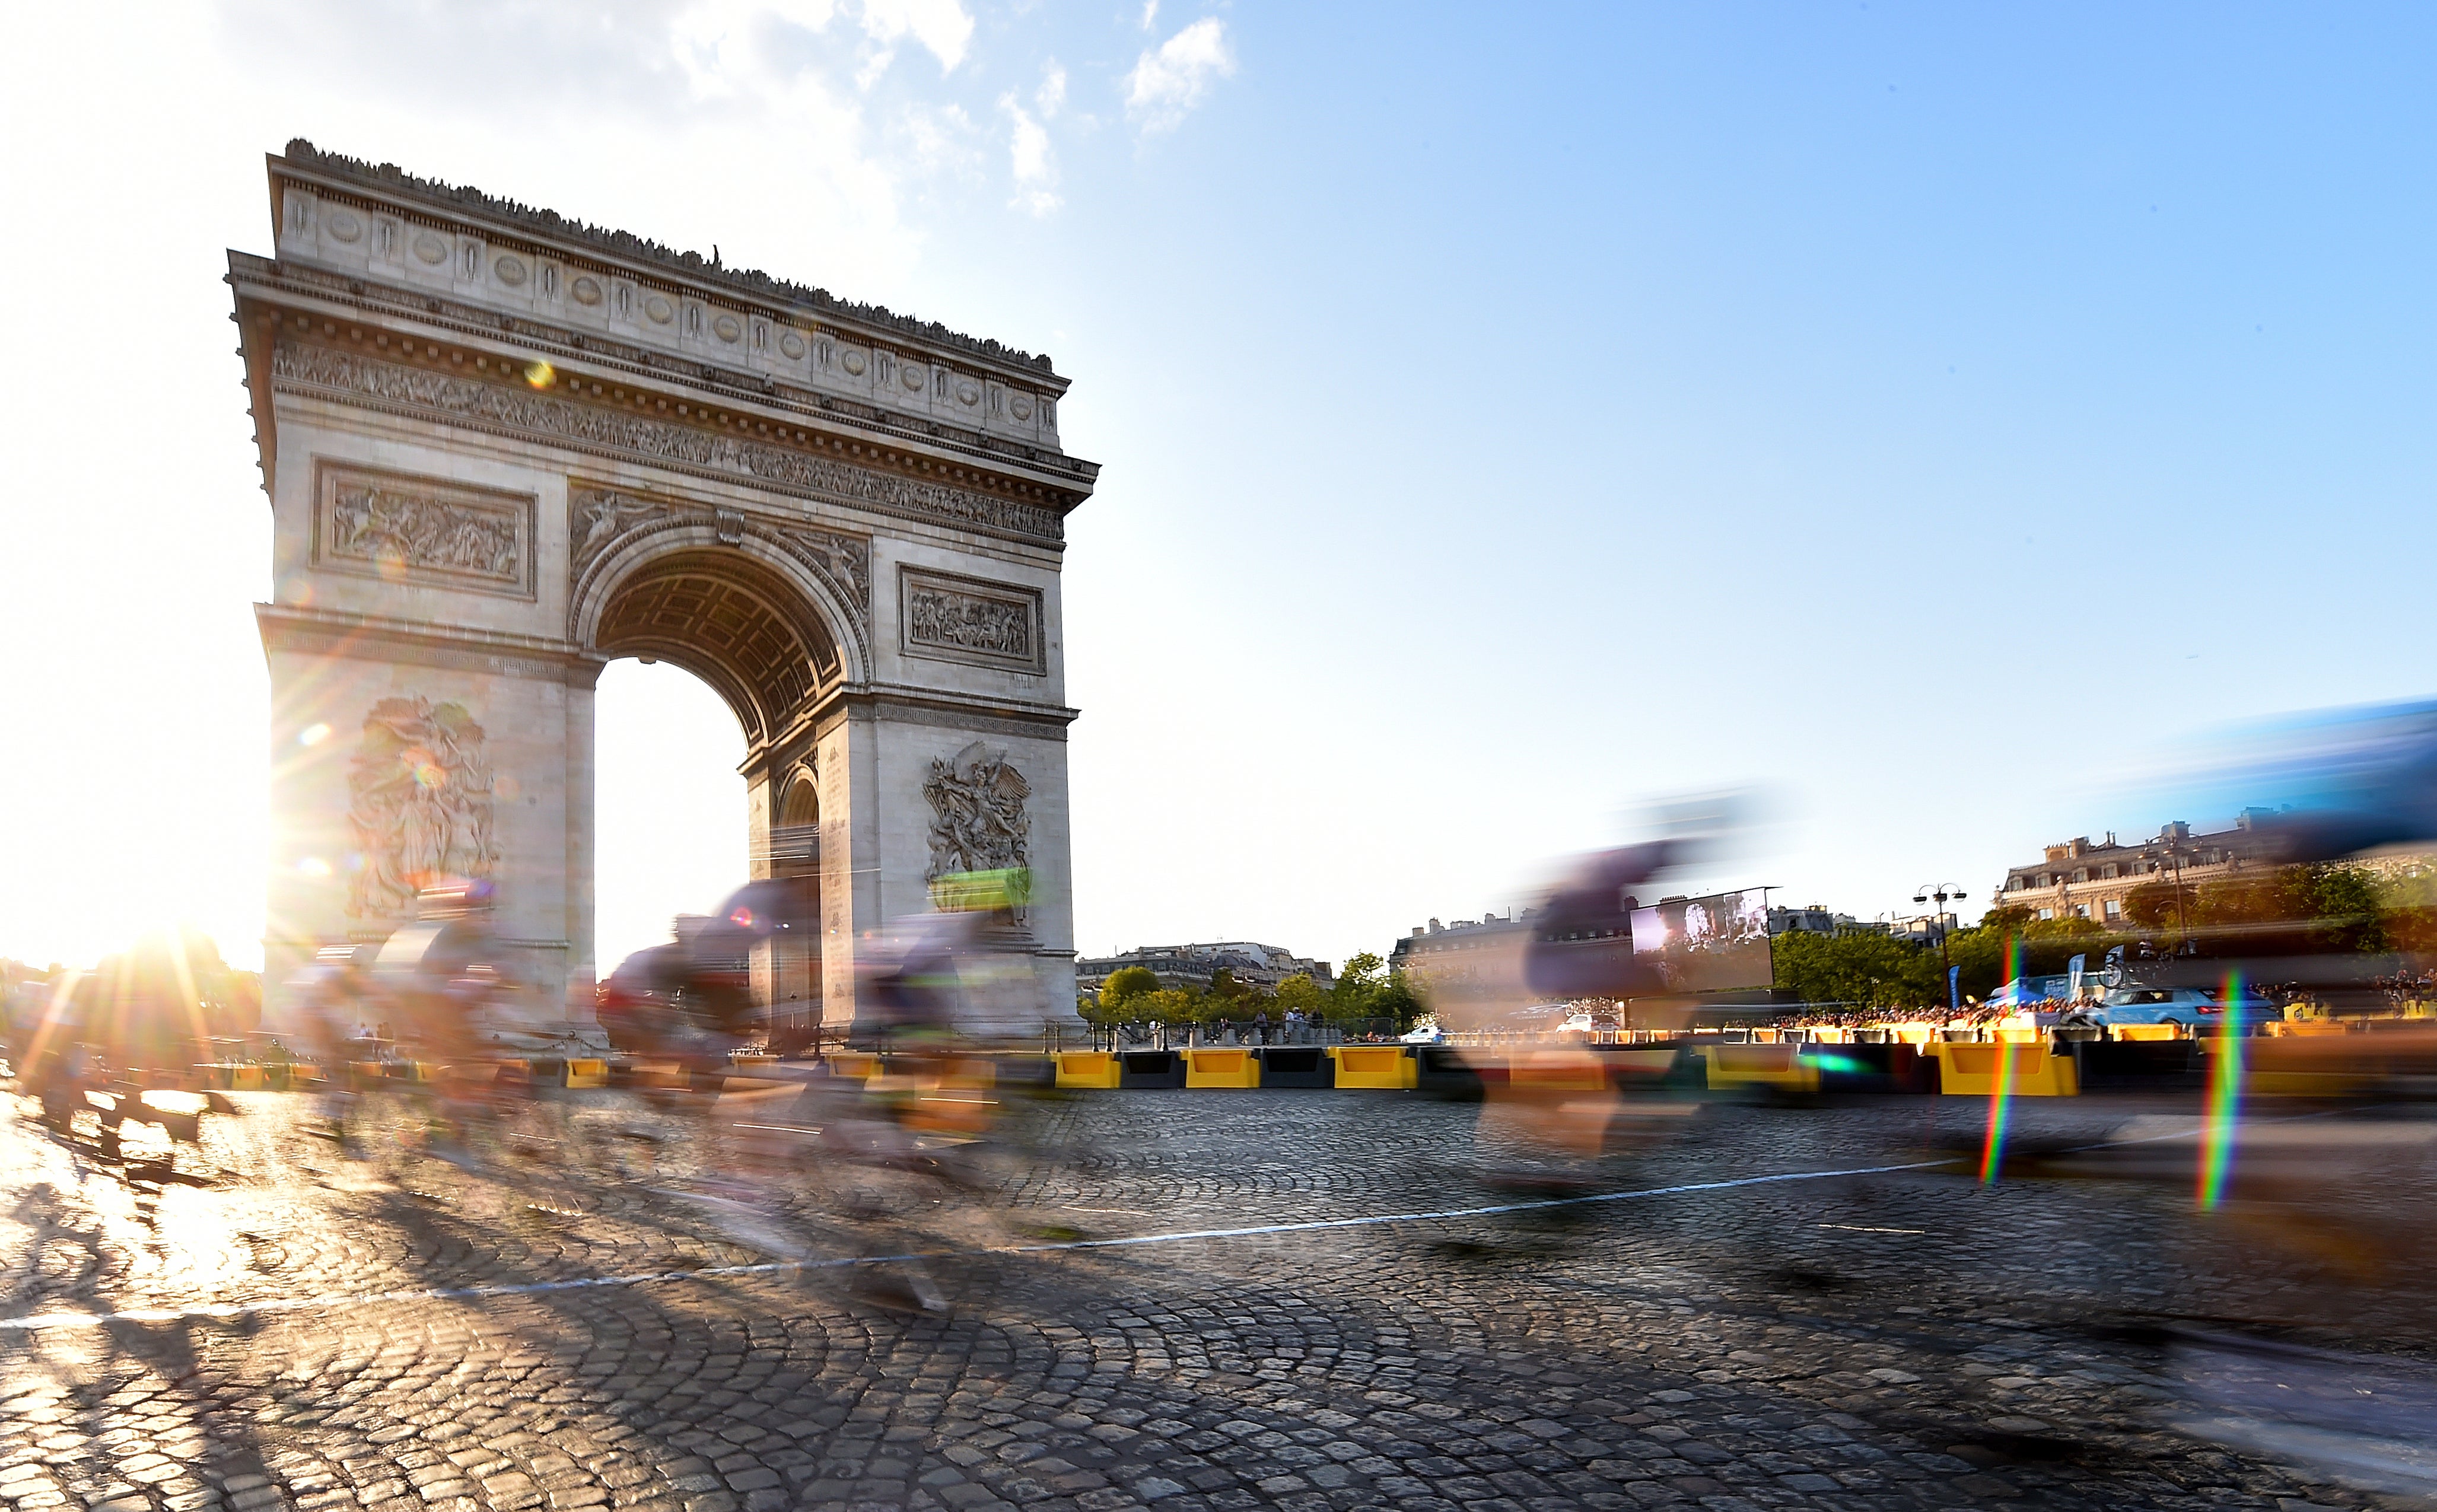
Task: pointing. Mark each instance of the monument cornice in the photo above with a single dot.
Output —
(1017, 718)
(1054, 479)
(822, 468)
(378, 638)
(386, 189)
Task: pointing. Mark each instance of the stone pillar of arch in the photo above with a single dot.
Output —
(502, 449)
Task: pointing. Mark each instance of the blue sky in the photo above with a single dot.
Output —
(1508, 417)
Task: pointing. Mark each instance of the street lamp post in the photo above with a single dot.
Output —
(1940, 892)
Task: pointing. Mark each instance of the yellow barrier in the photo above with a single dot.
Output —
(1642, 1061)
(1557, 1071)
(233, 1078)
(861, 1065)
(2148, 1032)
(1387, 1067)
(2018, 1034)
(587, 1073)
(367, 1070)
(1221, 1069)
(1770, 1067)
(1088, 1068)
(751, 1063)
(1971, 1070)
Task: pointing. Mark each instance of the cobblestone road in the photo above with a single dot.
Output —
(269, 1327)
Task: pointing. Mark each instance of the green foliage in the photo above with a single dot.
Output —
(1859, 966)
(2073, 926)
(1128, 983)
(1357, 985)
(2322, 908)
(1171, 1005)
(1979, 958)
(1300, 991)
(1396, 1001)
(2006, 916)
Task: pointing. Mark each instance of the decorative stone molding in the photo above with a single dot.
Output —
(404, 529)
(601, 518)
(457, 199)
(978, 821)
(419, 804)
(950, 618)
(329, 633)
(1036, 454)
(450, 398)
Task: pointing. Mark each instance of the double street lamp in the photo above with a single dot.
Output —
(1939, 893)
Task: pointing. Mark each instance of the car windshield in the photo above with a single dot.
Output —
(2140, 995)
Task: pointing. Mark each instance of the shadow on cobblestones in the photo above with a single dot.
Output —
(1899, 1341)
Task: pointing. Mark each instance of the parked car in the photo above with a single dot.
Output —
(2188, 1006)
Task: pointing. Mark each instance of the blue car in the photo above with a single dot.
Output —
(2188, 1006)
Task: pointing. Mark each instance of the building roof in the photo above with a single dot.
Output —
(461, 199)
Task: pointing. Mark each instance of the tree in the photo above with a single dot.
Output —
(1859, 966)
(1174, 1005)
(1396, 1000)
(1356, 988)
(1300, 991)
(1126, 984)
(2006, 916)
(2072, 926)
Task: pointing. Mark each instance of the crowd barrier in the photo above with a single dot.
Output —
(1773, 1068)
(1296, 1065)
(2300, 1058)
(1221, 1069)
(1096, 1069)
(1150, 1068)
(2024, 1070)
(1377, 1068)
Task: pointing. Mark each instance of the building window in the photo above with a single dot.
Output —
(2106, 872)
(2115, 909)
(2082, 910)
(2047, 913)
(2082, 873)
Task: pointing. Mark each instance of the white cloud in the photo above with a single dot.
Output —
(717, 42)
(1035, 169)
(939, 139)
(1052, 94)
(941, 25)
(1167, 82)
(1150, 13)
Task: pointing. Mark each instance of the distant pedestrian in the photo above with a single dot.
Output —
(1261, 1026)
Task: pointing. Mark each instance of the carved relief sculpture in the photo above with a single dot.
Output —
(600, 518)
(419, 530)
(521, 412)
(420, 804)
(967, 620)
(978, 821)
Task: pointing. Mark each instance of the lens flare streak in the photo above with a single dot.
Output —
(2000, 1094)
(2224, 1099)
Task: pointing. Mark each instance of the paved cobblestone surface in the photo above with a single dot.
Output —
(1901, 1338)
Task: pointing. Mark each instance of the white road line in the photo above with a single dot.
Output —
(340, 1299)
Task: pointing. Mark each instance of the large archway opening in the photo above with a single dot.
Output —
(670, 808)
(674, 838)
(731, 620)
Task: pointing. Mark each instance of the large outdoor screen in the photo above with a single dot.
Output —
(1713, 944)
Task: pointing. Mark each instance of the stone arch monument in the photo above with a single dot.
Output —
(503, 449)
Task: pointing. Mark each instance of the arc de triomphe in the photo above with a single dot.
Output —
(503, 449)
